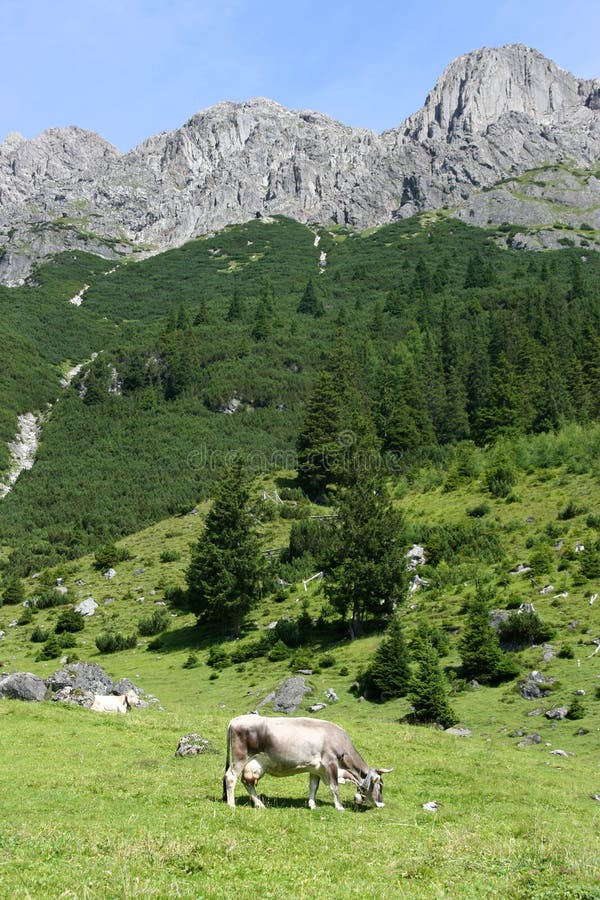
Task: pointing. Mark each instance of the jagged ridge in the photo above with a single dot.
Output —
(494, 113)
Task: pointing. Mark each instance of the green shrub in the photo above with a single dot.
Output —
(576, 708)
(191, 662)
(566, 652)
(51, 649)
(168, 556)
(154, 623)
(589, 564)
(523, 629)
(279, 651)
(39, 634)
(500, 479)
(69, 620)
(479, 511)
(51, 599)
(327, 661)
(109, 555)
(218, 657)
(13, 592)
(26, 616)
(114, 641)
(570, 510)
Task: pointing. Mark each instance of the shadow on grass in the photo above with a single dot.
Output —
(244, 801)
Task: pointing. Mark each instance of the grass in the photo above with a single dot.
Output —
(107, 810)
(99, 807)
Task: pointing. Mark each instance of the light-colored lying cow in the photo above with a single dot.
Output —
(115, 703)
(282, 747)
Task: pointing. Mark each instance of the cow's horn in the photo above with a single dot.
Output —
(384, 771)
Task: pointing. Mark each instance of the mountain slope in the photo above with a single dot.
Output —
(494, 113)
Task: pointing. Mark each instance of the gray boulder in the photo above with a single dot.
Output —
(82, 675)
(290, 694)
(87, 607)
(74, 696)
(559, 712)
(22, 686)
(532, 687)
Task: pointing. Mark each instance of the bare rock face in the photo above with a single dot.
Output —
(494, 113)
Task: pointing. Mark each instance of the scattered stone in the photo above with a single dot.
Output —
(459, 731)
(317, 707)
(595, 797)
(559, 753)
(581, 731)
(530, 739)
(193, 745)
(521, 569)
(87, 607)
(580, 692)
(548, 653)
(110, 573)
(139, 571)
(547, 590)
(22, 686)
(109, 601)
(431, 806)
(536, 712)
(559, 712)
(474, 684)
(331, 695)
(61, 589)
(573, 625)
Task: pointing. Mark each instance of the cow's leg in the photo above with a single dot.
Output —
(313, 785)
(331, 777)
(230, 779)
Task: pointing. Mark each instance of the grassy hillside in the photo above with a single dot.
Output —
(512, 820)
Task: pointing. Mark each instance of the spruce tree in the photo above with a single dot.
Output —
(309, 303)
(224, 578)
(429, 694)
(479, 647)
(388, 673)
(366, 571)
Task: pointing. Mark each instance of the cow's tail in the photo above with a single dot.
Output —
(227, 763)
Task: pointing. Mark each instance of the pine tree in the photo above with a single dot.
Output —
(309, 303)
(479, 647)
(388, 673)
(236, 306)
(428, 693)
(224, 578)
(337, 437)
(366, 567)
(262, 322)
(202, 316)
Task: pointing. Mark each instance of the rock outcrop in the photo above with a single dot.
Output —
(493, 114)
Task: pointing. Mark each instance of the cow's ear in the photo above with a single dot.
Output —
(383, 771)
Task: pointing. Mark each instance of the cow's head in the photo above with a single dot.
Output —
(131, 699)
(370, 790)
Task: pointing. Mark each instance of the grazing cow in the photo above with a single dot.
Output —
(115, 703)
(281, 747)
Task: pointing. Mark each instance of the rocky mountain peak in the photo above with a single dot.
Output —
(494, 112)
(478, 89)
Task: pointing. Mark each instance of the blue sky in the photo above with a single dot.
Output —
(131, 68)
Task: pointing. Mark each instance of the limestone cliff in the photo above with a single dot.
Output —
(494, 113)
